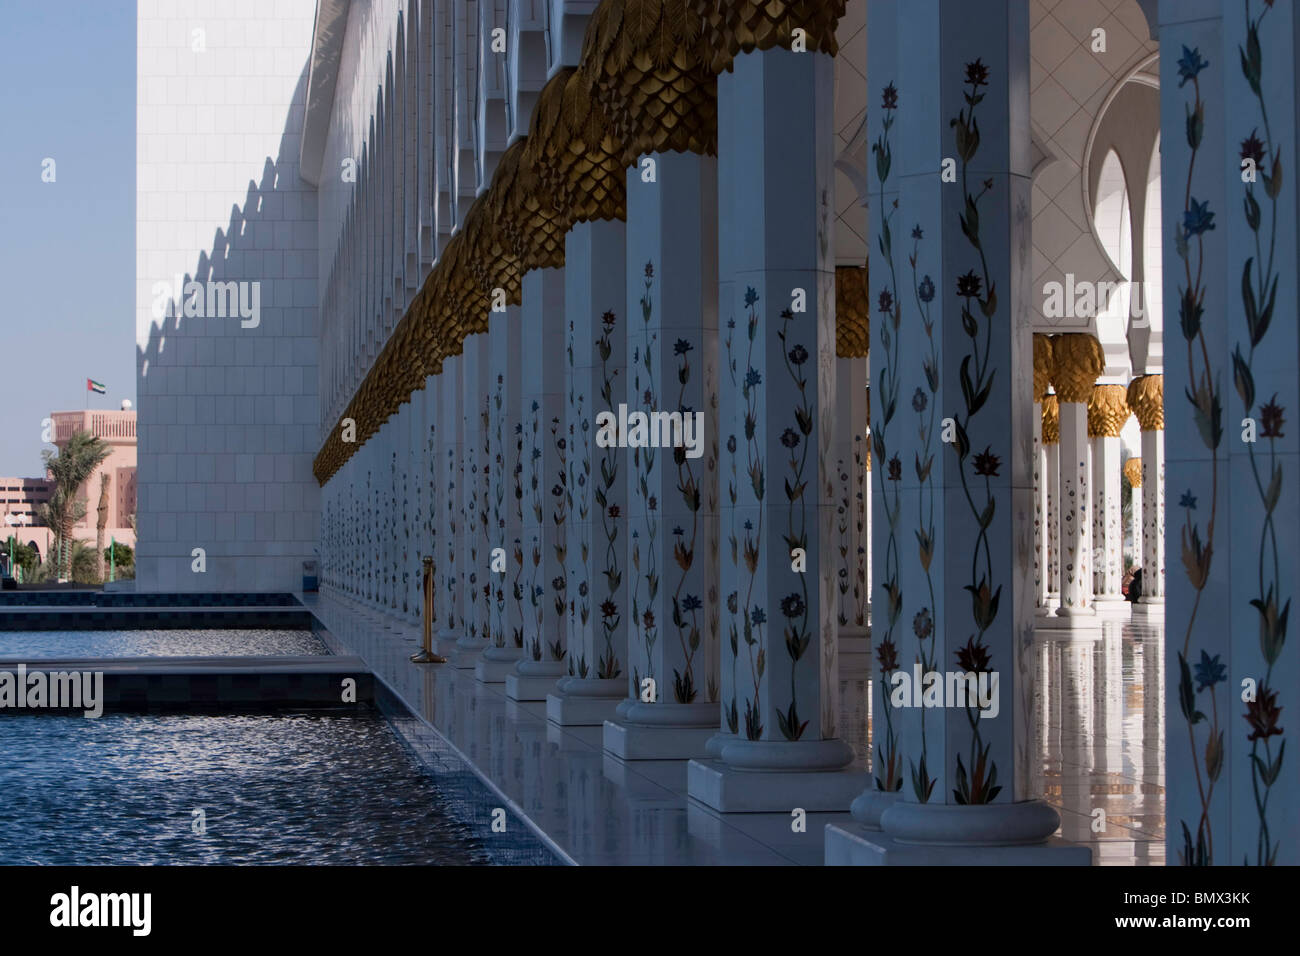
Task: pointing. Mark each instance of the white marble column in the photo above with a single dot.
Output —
(671, 350)
(545, 512)
(952, 774)
(1146, 395)
(1107, 414)
(506, 647)
(451, 508)
(1076, 362)
(1133, 471)
(786, 752)
(474, 368)
(1051, 432)
(597, 574)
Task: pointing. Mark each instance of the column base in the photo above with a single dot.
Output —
(1113, 608)
(445, 642)
(583, 702)
(1149, 613)
(466, 654)
(1071, 619)
(715, 743)
(533, 680)
(661, 731)
(857, 846)
(727, 789)
(496, 663)
(870, 805)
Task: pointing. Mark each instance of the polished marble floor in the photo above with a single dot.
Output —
(1098, 722)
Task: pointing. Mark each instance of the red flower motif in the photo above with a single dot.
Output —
(987, 463)
(1270, 419)
(1262, 714)
(973, 658)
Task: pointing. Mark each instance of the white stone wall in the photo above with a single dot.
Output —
(228, 408)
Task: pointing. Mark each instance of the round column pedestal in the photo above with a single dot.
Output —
(583, 701)
(533, 680)
(777, 776)
(870, 805)
(446, 642)
(663, 731)
(495, 664)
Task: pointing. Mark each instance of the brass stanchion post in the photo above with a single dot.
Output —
(427, 656)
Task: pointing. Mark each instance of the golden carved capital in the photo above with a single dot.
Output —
(1051, 420)
(1042, 365)
(1146, 396)
(1107, 411)
(852, 313)
(1077, 360)
(572, 148)
(732, 27)
(1133, 472)
(868, 456)
(642, 61)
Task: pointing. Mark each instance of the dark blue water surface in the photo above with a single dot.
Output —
(43, 645)
(312, 788)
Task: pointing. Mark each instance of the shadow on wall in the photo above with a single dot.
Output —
(227, 392)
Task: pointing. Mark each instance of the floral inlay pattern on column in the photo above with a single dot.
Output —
(1207, 409)
(923, 404)
(888, 766)
(643, 460)
(686, 606)
(978, 783)
(1259, 279)
(795, 605)
(605, 494)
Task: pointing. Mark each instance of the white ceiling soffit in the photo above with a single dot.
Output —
(326, 49)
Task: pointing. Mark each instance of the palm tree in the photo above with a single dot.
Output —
(69, 468)
(102, 522)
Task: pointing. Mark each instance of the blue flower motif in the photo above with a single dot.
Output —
(1188, 500)
(752, 378)
(1209, 671)
(750, 296)
(1198, 218)
(691, 603)
(759, 616)
(1190, 64)
(681, 347)
(678, 532)
(916, 233)
(731, 323)
(926, 289)
(749, 526)
(918, 400)
(535, 406)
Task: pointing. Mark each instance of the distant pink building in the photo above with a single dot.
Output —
(21, 498)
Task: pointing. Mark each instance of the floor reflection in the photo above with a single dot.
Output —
(1099, 734)
(1097, 722)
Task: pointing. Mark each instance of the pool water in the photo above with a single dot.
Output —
(43, 645)
(301, 789)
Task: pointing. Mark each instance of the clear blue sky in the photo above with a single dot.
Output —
(67, 249)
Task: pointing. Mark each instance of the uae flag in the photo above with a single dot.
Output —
(96, 387)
